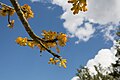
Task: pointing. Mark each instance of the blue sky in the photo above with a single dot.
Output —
(88, 36)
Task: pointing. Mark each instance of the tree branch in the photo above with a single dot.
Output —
(28, 28)
(23, 19)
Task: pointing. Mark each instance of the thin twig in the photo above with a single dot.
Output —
(9, 18)
(2, 4)
(54, 54)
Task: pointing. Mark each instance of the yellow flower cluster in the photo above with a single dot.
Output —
(50, 40)
(51, 36)
(21, 41)
(62, 39)
(53, 61)
(53, 39)
(78, 5)
(24, 42)
(62, 62)
(31, 44)
(28, 13)
(5, 10)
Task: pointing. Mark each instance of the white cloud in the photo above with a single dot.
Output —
(102, 12)
(104, 57)
(85, 33)
(75, 78)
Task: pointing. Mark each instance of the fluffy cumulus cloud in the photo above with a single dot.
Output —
(104, 57)
(102, 12)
